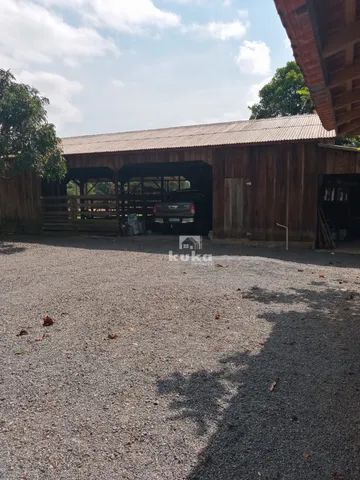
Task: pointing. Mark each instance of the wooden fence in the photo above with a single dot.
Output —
(94, 213)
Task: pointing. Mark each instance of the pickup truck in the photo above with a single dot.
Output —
(182, 211)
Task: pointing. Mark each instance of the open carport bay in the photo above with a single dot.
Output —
(244, 368)
(100, 201)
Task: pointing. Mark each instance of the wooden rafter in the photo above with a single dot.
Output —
(350, 128)
(325, 35)
(346, 98)
(348, 73)
(350, 15)
(337, 41)
(348, 116)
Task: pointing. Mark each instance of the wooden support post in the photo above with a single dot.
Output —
(117, 204)
(82, 187)
(162, 189)
(143, 199)
(122, 190)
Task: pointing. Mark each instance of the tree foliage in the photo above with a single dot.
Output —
(27, 140)
(286, 94)
(349, 141)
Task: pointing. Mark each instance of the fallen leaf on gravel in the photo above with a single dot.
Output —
(48, 321)
(22, 333)
(219, 265)
(274, 385)
(217, 316)
(307, 455)
(40, 339)
(113, 336)
(321, 276)
(300, 270)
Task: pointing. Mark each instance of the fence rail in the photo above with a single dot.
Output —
(94, 213)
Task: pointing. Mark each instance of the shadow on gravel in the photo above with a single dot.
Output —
(162, 244)
(294, 413)
(10, 249)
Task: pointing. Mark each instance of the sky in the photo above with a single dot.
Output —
(119, 65)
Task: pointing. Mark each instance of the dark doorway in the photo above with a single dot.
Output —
(339, 205)
(148, 188)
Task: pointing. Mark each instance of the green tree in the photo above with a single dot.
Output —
(27, 140)
(286, 94)
(349, 141)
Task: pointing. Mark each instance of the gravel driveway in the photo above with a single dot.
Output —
(244, 368)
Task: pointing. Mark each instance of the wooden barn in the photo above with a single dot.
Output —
(255, 175)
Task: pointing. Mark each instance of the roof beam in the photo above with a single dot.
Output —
(337, 41)
(346, 98)
(350, 72)
(350, 128)
(350, 16)
(348, 116)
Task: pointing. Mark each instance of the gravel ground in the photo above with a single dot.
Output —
(244, 368)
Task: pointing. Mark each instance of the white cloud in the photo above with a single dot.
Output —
(31, 34)
(132, 16)
(287, 44)
(117, 83)
(225, 3)
(60, 91)
(236, 29)
(254, 58)
(7, 62)
(255, 90)
(221, 30)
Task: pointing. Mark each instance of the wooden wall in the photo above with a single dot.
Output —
(115, 161)
(279, 185)
(20, 204)
(254, 187)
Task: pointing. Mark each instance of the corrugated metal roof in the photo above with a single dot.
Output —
(282, 129)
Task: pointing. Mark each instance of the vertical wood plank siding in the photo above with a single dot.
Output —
(280, 186)
(275, 183)
(280, 183)
(20, 204)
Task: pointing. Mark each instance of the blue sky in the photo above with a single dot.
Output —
(112, 65)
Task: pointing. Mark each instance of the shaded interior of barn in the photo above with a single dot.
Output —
(339, 201)
(99, 199)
